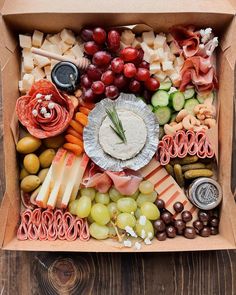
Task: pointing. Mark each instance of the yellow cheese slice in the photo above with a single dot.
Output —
(43, 194)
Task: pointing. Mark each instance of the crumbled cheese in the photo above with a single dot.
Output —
(39, 95)
(142, 220)
(127, 243)
(137, 246)
(143, 234)
(51, 105)
(155, 67)
(147, 241)
(130, 231)
(39, 100)
(167, 65)
(205, 34)
(37, 38)
(214, 44)
(43, 110)
(34, 113)
(48, 96)
(201, 46)
(150, 235)
(172, 89)
(47, 115)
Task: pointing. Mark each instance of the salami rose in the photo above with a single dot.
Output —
(44, 111)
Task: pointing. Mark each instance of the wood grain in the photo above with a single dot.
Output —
(193, 273)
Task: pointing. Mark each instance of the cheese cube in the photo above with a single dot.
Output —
(170, 72)
(159, 41)
(55, 49)
(68, 36)
(169, 38)
(136, 43)
(171, 56)
(166, 48)
(47, 70)
(175, 77)
(41, 61)
(64, 46)
(174, 48)
(25, 41)
(69, 53)
(46, 45)
(55, 39)
(27, 82)
(28, 64)
(127, 37)
(160, 53)
(76, 50)
(148, 38)
(37, 38)
(167, 65)
(155, 67)
(38, 73)
(26, 52)
(160, 76)
(179, 61)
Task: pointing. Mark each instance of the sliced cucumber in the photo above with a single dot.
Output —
(173, 117)
(177, 100)
(189, 93)
(150, 107)
(190, 105)
(165, 85)
(202, 98)
(160, 98)
(163, 115)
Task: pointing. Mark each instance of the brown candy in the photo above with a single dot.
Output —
(190, 232)
(160, 204)
(159, 225)
(179, 225)
(161, 236)
(214, 221)
(205, 232)
(203, 216)
(171, 231)
(214, 230)
(178, 207)
(186, 216)
(198, 225)
(166, 217)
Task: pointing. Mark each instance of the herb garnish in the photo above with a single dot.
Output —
(117, 125)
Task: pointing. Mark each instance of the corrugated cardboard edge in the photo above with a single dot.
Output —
(4, 211)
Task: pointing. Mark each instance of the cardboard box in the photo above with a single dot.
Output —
(52, 16)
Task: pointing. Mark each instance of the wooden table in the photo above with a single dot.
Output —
(192, 273)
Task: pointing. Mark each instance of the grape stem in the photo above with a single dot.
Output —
(117, 232)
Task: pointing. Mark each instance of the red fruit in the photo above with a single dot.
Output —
(120, 81)
(139, 58)
(85, 82)
(89, 95)
(94, 73)
(129, 54)
(101, 58)
(87, 34)
(152, 84)
(107, 77)
(99, 35)
(134, 86)
(98, 87)
(91, 47)
(117, 65)
(129, 70)
(144, 64)
(112, 92)
(113, 40)
(142, 74)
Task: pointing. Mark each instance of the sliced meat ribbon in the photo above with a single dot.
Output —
(22, 232)
(72, 232)
(47, 217)
(100, 181)
(84, 232)
(181, 142)
(52, 232)
(42, 232)
(33, 232)
(36, 216)
(58, 218)
(163, 153)
(170, 145)
(26, 217)
(61, 233)
(192, 145)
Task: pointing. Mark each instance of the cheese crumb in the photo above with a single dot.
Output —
(142, 220)
(34, 113)
(51, 105)
(47, 115)
(43, 110)
(143, 234)
(127, 243)
(39, 100)
(48, 97)
(137, 246)
(130, 231)
(39, 95)
(150, 235)
(147, 241)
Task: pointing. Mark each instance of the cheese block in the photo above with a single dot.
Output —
(41, 61)
(46, 45)
(25, 41)
(159, 41)
(167, 188)
(64, 46)
(67, 36)
(179, 61)
(37, 38)
(26, 52)
(55, 39)
(38, 73)
(155, 67)
(43, 194)
(169, 38)
(167, 65)
(27, 82)
(160, 53)
(160, 76)
(77, 51)
(174, 48)
(148, 38)
(69, 53)
(127, 37)
(28, 64)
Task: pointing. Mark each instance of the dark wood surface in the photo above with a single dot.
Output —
(193, 273)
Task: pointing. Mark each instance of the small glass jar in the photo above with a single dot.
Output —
(205, 193)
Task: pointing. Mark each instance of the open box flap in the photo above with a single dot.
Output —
(4, 211)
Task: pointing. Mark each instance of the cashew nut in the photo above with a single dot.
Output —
(203, 111)
(173, 123)
(200, 128)
(189, 122)
(171, 130)
(210, 122)
(183, 113)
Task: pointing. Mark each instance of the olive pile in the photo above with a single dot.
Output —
(37, 157)
(206, 225)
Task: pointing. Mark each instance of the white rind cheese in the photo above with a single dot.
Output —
(135, 132)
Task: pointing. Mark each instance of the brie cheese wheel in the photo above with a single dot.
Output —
(135, 133)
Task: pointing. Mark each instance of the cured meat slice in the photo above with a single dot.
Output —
(22, 232)
(26, 217)
(52, 232)
(36, 216)
(42, 232)
(44, 111)
(58, 218)
(100, 181)
(191, 142)
(47, 217)
(180, 140)
(84, 233)
(61, 233)
(72, 232)
(32, 232)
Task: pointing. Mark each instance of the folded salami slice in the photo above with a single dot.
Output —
(61, 233)
(58, 218)
(200, 139)
(72, 232)
(26, 217)
(181, 142)
(42, 232)
(22, 232)
(191, 142)
(47, 217)
(84, 233)
(52, 232)
(32, 232)
(36, 217)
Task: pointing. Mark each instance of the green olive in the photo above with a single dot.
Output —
(30, 183)
(28, 144)
(54, 142)
(23, 173)
(42, 174)
(46, 158)
(31, 163)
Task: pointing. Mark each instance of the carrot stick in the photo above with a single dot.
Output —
(84, 110)
(74, 148)
(81, 118)
(72, 131)
(72, 139)
(87, 105)
(77, 126)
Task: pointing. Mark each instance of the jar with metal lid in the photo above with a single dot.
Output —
(205, 193)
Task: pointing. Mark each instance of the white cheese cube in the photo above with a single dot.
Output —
(170, 72)
(47, 70)
(38, 73)
(28, 64)
(169, 38)
(37, 38)
(175, 77)
(150, 56)
(55, 49)
(64, 46)
(160, 76)
(55, 39)
(179, 61)
(69, 53)
(26, 52)
(171, 56)
(166, 47)
(27, 82)
(68, 36)
(127, 37)
(174, 48)
(41, 61)
(76, 50)
(148, 38)
(160, 53)
(167, 65)
(136, 44)
(25, 41)
(155, 67)
(159, 41)
(46, 45)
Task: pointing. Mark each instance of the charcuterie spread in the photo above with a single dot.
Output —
(116, 135)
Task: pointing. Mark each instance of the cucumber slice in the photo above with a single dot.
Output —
(173, 117)
(163, 115)
(177, 100)
(160, 98)
(202, 98)
(150, 107)
(165, 85)
(189, 93)
(190, 105)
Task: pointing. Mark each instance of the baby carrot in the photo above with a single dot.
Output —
(74, 148)
(84, 110)
(72, 139)
(77, 126)
(87, 105)
(81, 118)
(72, 131)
